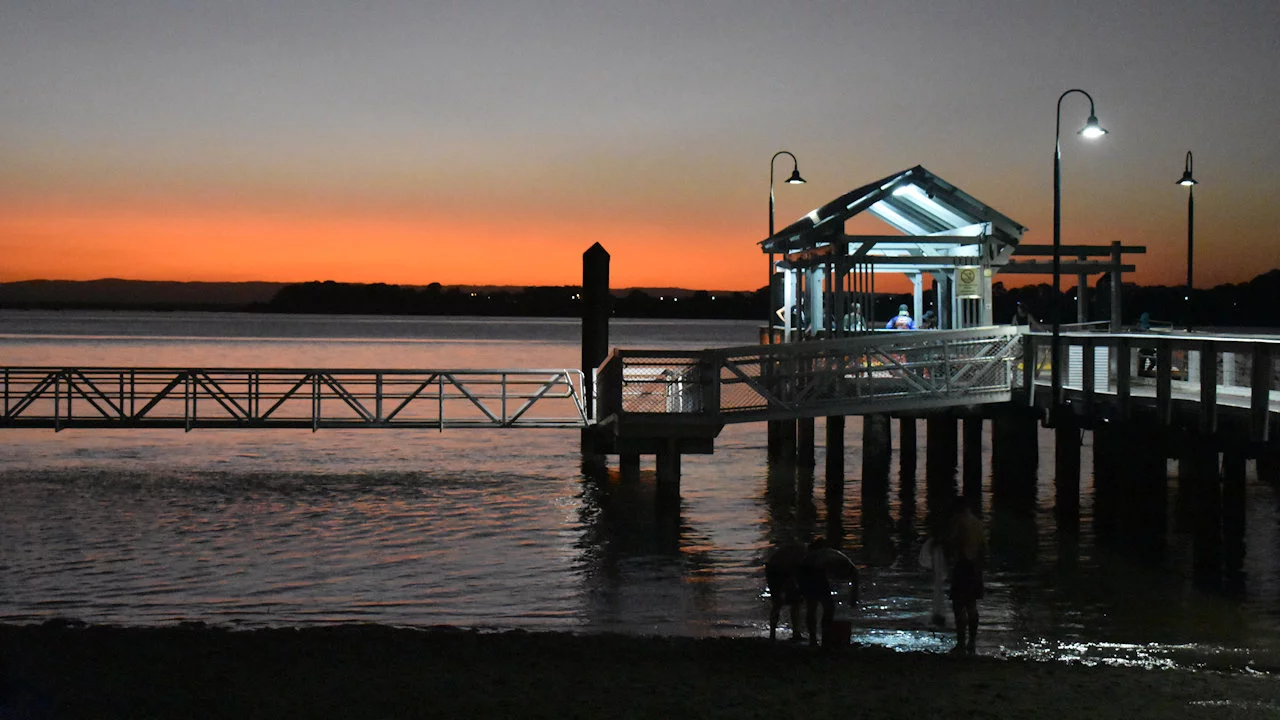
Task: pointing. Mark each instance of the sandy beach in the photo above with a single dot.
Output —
(366, 671)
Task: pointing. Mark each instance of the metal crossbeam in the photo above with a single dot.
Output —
(190, 398)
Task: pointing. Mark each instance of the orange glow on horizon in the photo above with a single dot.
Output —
(87, 243)
(182, 241)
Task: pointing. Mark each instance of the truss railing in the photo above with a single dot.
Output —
(877, 372)
(188, 398)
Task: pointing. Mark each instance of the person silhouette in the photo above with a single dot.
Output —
(966, 551)
(796, 572)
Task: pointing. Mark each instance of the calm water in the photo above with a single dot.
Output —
(500, 529)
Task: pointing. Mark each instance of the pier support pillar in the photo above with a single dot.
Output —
(1066, 474)
(972, 465)
(941, 445)
(835, 448)
(629, 466)
(805, 455)
(907, 448)
(668, 474)
(939, 469)
(1207, 524)
(876, 447)
(1233, 517)
(907, 473)
(782, 442)
(1015, 454)
(1106, 458)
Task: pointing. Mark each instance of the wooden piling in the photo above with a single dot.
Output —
(876, 448)
(972, 459)
(835, 449)
(939, 468)
(629, 466)
(596, 308)
(1207, 524)
(1233, 516)
(805, 454)
(1066, 477)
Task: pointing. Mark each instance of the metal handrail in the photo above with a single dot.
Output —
(104, 397)
(869, 373)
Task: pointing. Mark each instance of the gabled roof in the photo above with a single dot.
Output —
(914, 201)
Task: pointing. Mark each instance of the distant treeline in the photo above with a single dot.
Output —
(1250, 304)
(554, 301)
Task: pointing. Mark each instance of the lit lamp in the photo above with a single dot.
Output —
(1190, 184)
(1090, 130)
(795, 179)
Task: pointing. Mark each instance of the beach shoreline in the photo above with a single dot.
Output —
(61, 669)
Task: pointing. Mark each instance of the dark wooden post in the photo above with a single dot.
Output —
(596, 307)
(876, 448)
(1207, 537)
(1066, 478)
(835, 449)
(668, 473)
(972, 465)
(940, 456)
(1106, 450)
(907, 447)
(1233, 516)
(805, 454)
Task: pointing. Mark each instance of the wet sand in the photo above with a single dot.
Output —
(366, 671)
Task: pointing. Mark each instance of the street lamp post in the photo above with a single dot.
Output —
(795, 179)
(1090, 130)
(1190, 184)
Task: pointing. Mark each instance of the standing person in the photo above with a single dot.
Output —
(780, 572)
(796, 572)
(966, 549)
(901, 321)
(853, 320)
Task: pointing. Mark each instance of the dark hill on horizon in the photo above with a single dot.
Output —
(1248, 304)
(116, 293)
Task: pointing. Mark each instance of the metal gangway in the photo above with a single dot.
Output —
(872, 373)
(190, 398)
(877, 372)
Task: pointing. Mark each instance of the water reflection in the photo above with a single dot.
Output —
(642, 567)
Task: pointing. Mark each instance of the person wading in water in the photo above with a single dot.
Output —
(797, 572)
(966, 550)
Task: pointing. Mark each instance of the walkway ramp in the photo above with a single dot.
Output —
(656, 393)
(103, 397)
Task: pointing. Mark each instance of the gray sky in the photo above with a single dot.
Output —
(389, 140)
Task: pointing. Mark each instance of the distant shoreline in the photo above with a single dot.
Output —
(1247, 305)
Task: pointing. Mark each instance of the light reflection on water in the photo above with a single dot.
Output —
(501, 530)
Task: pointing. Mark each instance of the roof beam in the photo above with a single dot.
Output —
(1076, 250)
(1035, 267)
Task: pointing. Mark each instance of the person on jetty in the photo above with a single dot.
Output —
(798, 572)
(966, 551)
(901, 321)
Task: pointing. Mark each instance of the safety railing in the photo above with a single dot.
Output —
(870, 373)
(189, 398)
(1201, 374)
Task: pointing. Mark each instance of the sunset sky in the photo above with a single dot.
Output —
(486, 142)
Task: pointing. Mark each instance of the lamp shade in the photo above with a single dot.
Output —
(1092, 129)
(1187, 180)
(795, 178)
